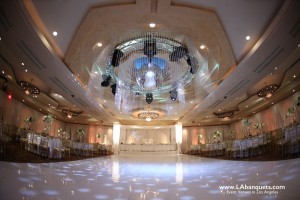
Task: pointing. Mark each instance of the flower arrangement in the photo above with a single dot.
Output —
(246, 122)
(291, 111)
(258, 125)
(48, 119)
(98, 135)
(217, 135)
(28, 119)
(80, 132)
(61, 132)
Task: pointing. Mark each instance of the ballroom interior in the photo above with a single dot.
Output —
(149, 99)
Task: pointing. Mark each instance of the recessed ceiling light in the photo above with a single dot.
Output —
(99, 44)
(294, 90)
(294, 76)
(247, 37)
(23, 100)
(26, 70)
(54, 33)
(275, 68)
(95, 72)
(152, 25)
(22, 64)
(49, 104)
(272, 103)
(298, 45)
(2, 72)
(191, 102)
(202, 46)
(246, 106)
(104, 101)
(253, 112)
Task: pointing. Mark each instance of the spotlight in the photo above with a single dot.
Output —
(116, 57)
(193, 63)
(149, 98)
(113, 89)
(173, 95)
(106, 81)
(178, 53)
(150, 48)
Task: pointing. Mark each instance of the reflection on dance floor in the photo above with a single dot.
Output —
(149, 177)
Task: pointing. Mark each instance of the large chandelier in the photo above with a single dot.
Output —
(267, 91)
(148, 114)
(151, 63)
(29, 88)
(71, 113)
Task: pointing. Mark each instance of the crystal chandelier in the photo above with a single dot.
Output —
(267, 91)
(148, 114)
(151, 63)
(29, 88)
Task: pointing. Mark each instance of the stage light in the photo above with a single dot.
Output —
(118, 54)
(149, 98)
(113, 88)
(106, 81)
(173, 95)
(178, 53)
(150, 48)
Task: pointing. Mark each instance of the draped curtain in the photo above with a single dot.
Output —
(148, 136)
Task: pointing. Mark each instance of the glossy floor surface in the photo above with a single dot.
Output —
(150, 177)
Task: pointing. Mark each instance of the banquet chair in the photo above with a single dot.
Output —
(93, 148)
(244, 149)
(58, 149)
(236, 149)
(255, 147)
(203, 150)
(85, 149)
(67, 145)
(44, 148)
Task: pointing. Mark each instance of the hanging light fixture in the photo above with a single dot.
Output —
(267, 91)
(152, 63)
(71, 113)
(29, 88)
(226, 114)
(148, 114)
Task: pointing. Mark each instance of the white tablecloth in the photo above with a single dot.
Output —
(148, 147)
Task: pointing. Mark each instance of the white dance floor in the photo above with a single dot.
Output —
(157, 177)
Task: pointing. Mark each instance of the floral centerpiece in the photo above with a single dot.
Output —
(246, 123)
(258, 126)
(217, 136)
(48, 119)
(61, 133)
(28, 121)
(80, 133)
(291, 113)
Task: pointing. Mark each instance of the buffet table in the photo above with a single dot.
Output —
(148, 147)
